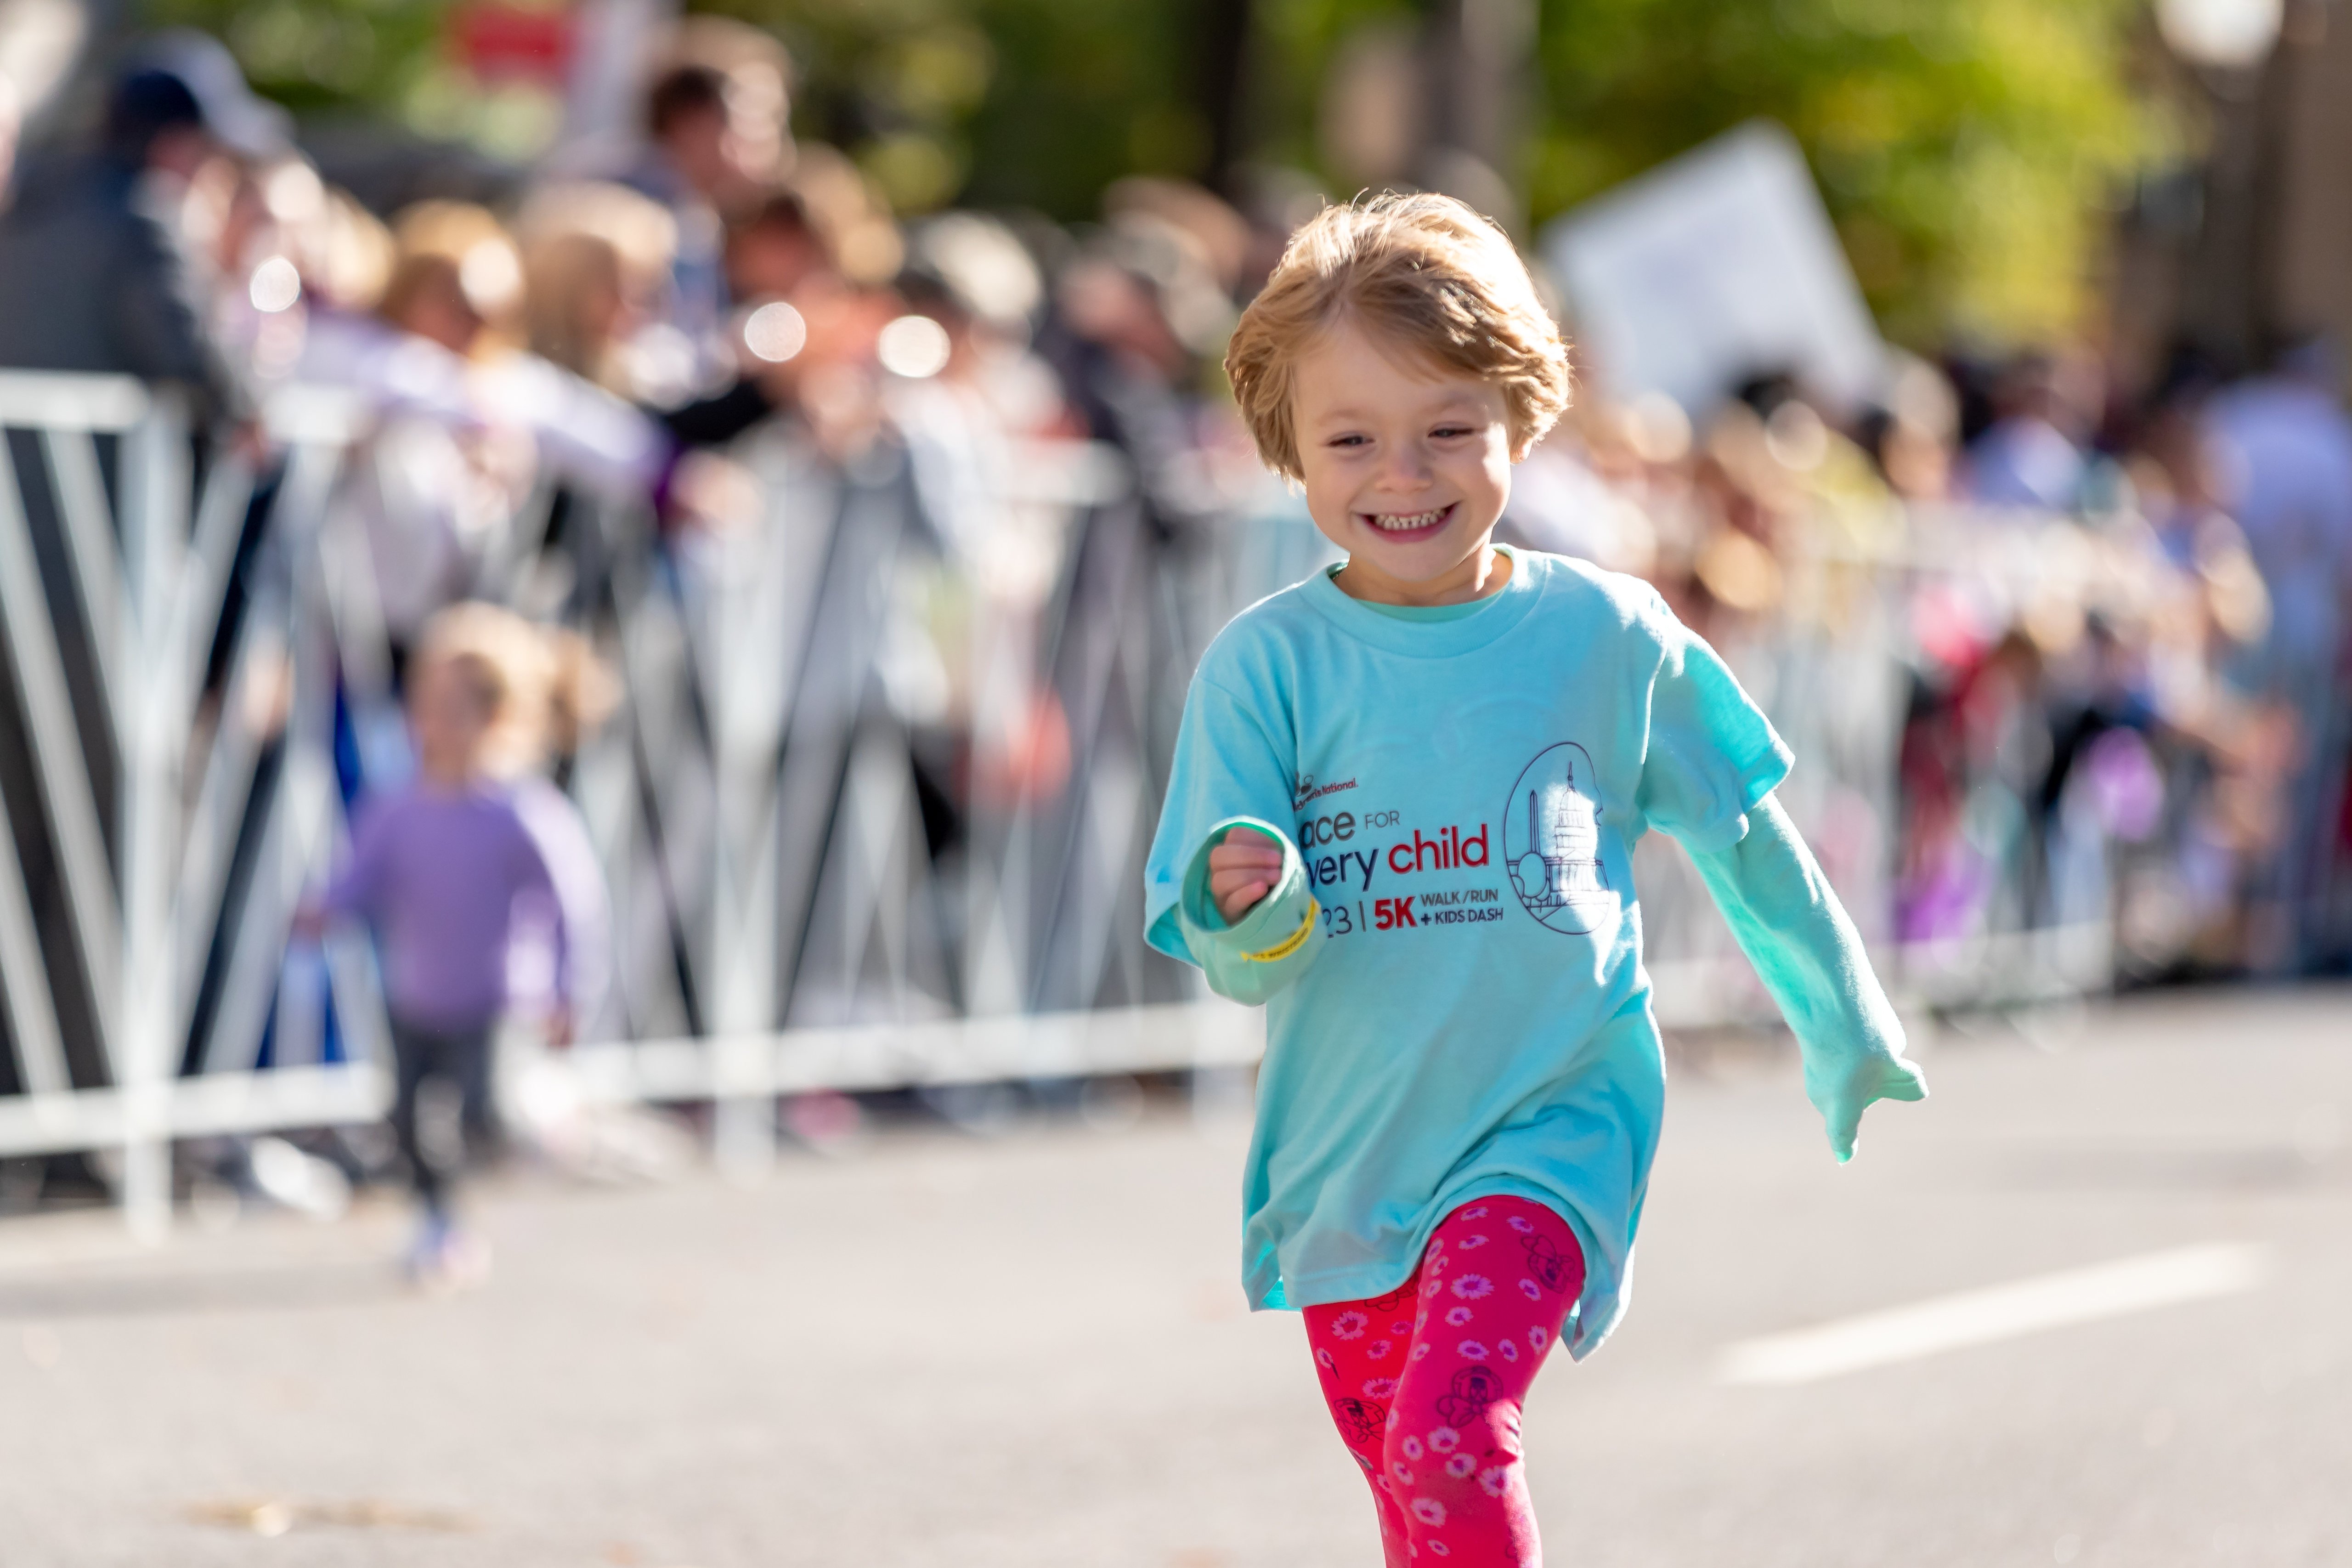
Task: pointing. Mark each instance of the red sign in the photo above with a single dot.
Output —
(502, 42)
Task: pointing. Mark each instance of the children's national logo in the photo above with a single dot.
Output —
(1551, 841)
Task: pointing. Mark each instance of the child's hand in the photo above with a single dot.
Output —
(1873, 1078)
(1242, 870)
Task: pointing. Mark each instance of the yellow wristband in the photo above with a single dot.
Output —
(1292, 943)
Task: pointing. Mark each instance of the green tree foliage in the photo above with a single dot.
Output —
(1965, 147)
(1026, 103)
(380, 59)
(318, 56)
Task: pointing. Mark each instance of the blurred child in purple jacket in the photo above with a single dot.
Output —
(449, 873)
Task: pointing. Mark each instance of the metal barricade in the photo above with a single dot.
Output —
(784, 920)
(1834, 672)
(798, 901)
(113, 592)
(198, 682)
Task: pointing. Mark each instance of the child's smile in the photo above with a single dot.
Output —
(1407, 465)
(1400, 526)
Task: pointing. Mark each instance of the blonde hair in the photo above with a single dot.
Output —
(640, 231)
(436, 236)
(566, 276)
(581, 241)
(1425, 272)
(544, 687)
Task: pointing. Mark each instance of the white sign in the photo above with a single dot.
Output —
(1716, 267)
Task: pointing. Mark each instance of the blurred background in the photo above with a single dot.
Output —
(812, 409)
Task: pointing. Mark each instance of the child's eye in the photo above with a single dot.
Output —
(1347, 441)
(1446, 431)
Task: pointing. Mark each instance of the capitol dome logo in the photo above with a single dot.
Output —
(1551, 841)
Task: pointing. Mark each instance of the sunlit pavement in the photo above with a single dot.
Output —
(1031, 1351)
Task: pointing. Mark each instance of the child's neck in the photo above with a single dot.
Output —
(1483, 573)
(447, 775)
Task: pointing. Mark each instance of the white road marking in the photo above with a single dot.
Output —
(1998, 1313)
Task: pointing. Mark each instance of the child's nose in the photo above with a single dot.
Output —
(1407, 467)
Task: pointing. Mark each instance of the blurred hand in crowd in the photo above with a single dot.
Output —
(714, 494)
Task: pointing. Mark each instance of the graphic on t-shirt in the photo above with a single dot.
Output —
(1551, 841)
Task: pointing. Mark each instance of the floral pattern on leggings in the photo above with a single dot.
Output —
(1426, 1383)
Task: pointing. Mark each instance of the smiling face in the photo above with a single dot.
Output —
(1407, 465)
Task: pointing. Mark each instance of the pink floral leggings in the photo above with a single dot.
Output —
(1426, 1382)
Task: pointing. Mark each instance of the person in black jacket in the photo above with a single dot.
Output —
(90, 278)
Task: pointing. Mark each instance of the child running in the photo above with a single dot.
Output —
(448, 873)
(1402, 815)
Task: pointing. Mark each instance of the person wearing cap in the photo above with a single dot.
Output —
(90, 277)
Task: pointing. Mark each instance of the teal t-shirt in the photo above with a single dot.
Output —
(1452, 962)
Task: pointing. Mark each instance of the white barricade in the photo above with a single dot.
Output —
(786, 915)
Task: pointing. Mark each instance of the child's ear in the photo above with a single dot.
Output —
(1523, 439)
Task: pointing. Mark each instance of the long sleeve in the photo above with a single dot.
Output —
(1791, 925)
(1272, 944)
(157, 320)
(1229, 772)
(357, 891)
(1711, 754)
(583, 923)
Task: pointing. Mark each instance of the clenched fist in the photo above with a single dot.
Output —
(1242, 870)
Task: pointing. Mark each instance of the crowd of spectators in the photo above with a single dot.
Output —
(2064, 657)
(2116, 694)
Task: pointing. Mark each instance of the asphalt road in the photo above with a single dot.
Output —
(1031, 1351)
